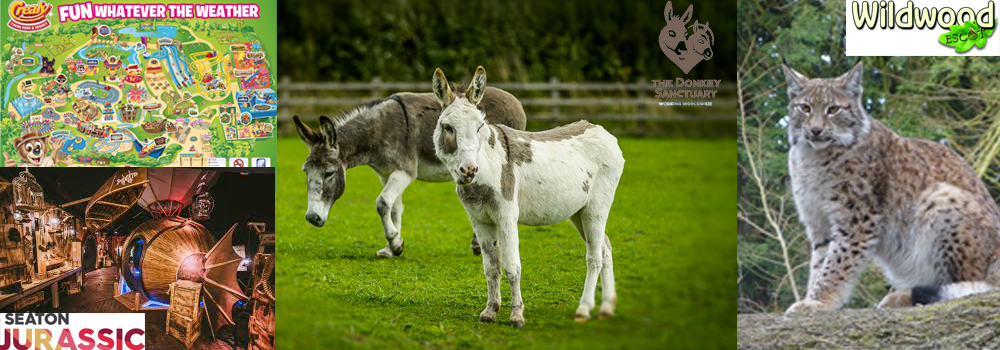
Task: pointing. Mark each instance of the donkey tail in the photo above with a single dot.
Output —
(925, 295)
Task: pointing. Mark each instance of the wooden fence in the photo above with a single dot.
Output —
(554, 100)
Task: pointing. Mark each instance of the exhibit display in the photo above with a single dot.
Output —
(163, 241)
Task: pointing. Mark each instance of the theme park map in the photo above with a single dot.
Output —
(163, 83)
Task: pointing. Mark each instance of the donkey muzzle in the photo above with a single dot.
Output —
(466, 174)
(314, 219)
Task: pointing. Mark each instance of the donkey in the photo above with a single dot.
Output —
(701, 40)
(673, 37)
(393, 137)
(508, 177)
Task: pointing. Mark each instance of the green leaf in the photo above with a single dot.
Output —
(964, 46)
(955, 28)
(944, 40)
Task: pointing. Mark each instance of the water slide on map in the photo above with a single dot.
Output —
(178, 65)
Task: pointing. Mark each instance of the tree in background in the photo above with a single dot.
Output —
(952, 100)
(517, 40)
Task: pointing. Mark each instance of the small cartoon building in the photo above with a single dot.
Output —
(108, 113)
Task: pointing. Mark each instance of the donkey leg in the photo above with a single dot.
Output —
(476, 250)
(397, 213)
(512, 267)
(609, 299)
(593, 227)
(392, 192)
(491, 268)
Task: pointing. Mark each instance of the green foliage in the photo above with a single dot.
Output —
(9, 130)
(516, 40)
(232, 148)
(672, 261)
(170, 154)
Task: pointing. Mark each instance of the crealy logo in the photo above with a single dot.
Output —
(685, 50)
(29, 18)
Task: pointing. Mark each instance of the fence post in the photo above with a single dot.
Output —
(285, 82)
(554, 95)
(641, 110)
(376, 88)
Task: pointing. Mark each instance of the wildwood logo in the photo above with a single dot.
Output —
(685, 50)
(29, 18)
(966, 26)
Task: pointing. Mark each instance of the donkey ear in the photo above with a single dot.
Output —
(852, 80)
(794, 79)
(478, 88)
(668, 11)
(441, 89)
(687, 14)
(329, 132)
(308, 136)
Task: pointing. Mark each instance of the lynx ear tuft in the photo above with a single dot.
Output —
(794, 79)
(852, 80)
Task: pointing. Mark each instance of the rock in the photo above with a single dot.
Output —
(967, 323)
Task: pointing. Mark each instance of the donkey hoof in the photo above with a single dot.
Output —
(607, 314)
(476, 251)
(486, 319)
(517, 323)
(581, 318)
(385, 253)
(399, 250)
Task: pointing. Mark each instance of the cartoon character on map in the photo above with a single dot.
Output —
(34, 149)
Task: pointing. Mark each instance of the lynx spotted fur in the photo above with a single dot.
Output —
(863, 192)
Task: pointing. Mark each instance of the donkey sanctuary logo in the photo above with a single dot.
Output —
(29, 18)
(881, 28)
(685, 50)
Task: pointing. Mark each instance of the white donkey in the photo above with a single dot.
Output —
(508, 177)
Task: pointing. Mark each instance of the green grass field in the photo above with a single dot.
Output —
(670, 227)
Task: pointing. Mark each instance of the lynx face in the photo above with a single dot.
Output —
(825, 112)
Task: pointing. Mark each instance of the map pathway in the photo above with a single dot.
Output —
(112, 97)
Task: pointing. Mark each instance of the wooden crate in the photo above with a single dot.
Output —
(184, 315)
(70, 286)
(29, 300)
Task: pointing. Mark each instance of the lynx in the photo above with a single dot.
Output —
(863, 192)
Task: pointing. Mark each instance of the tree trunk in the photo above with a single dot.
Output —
(967, 323)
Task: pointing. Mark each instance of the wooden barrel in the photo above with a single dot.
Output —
(161, 251)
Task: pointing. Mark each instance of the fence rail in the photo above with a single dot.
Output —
(294, 95)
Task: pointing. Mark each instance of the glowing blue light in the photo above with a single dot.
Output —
(153, 303)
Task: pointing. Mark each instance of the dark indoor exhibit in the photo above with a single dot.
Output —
(191, 248)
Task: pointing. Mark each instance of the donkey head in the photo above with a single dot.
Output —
(701, 40)
(325, 173)
(459, 132)
(672, 37)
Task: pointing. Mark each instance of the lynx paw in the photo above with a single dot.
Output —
(806, 306)
(897, 300)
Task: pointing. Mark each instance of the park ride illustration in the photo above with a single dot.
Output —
(136, 92)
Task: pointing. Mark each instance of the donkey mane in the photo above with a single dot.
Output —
(355, 112)
(359, 110)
